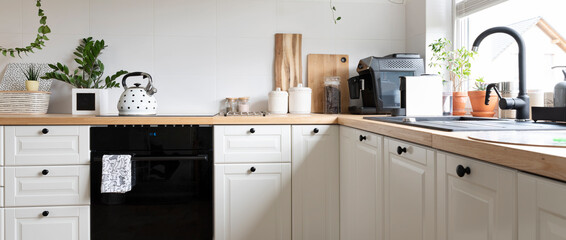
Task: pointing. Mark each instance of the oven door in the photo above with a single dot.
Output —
(171, 198)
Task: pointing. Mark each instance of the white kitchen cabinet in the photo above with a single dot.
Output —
(316, 179)
(542, 208)
(409, 191)
(252, 201)
(2, 232)
(61, 223)
(46, 145)
(47, 186)
(252, 143)
(361, 185)
(477, 204)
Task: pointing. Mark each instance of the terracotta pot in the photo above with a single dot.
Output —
(479, 109)
(459, 103)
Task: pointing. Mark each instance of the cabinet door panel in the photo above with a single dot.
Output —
(316, 194)
(409, 192)
(542, 212)
(27, 145)
(253, 205)
(62, 223)
(237, 144)
(478, 205)
(27, 186)
(1, 223)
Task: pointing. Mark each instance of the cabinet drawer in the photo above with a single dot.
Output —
(46, 145)
(249, 144)
(69, 223)
(409, 151)
(28, 186)
(1, 197)
(1, 176)
(368, 138)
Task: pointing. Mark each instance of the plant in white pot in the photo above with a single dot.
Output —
(32, 76)
(89, 92)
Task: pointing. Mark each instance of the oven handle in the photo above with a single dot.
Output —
(170, 158)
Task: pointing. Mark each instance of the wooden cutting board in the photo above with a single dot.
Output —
(288, 60)
(326, 65)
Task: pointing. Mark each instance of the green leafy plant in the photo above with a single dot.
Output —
(90, 70)
(31, 73)
(456, 62)
(480, 84)
(333, 9)
(39, 41)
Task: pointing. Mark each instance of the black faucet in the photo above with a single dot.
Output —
(521, 102)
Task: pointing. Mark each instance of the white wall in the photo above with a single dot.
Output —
(201, 51)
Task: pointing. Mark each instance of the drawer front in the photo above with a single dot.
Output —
(68, 223)
(250, 144)
(367, 138)
(407, 150)
(28, 186)
(46, 145)
(1, 197)
(1, 176)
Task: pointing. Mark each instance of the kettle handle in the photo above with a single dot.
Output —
(149, 88)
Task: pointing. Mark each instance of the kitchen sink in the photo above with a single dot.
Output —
(454, 123)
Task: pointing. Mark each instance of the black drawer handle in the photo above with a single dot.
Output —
(461, 171)
(45, 131)
(252, 130)
(45, 213)
(316, 130)
(252, 169)
(362, 138)
(45, 172)
(401, 150)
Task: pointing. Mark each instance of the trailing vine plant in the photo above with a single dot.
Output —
(333, 9)
(40, 39)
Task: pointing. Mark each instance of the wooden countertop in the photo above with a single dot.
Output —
(545, 161)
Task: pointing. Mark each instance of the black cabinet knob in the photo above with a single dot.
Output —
(315, 130)
(401, 150)
(362, 138)
(45, 131)
(252, 130)
(461, 171)
(45, 213)
(252, 169)
(45, 172)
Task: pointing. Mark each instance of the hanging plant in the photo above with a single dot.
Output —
(333, 9)
(39, 39)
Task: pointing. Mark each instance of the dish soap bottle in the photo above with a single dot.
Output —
(560, 90)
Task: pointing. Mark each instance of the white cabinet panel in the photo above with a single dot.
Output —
(245, 144)
(28, 186)
(361, 185)
(1, 197)
(2, 144)
(49, 145)
(2, 224)
(542, 208)
(480, 204)
(61, 223)
(409, 191)
(316, 179)
(252, 201)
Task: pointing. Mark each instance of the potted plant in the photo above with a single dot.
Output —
(477, 99)
(458, 67)
(32, 76)
(89, 94)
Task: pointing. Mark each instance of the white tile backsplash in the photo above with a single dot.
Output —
(202, 51)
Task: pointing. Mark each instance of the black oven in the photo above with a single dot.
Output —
(171, 196)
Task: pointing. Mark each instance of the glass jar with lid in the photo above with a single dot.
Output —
(231, 105)
(244, 104)
(331, 104)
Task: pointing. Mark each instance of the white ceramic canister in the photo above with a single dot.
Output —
(278, 102)
(300, 100)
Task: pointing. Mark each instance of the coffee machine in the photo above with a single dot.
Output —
(378, 83)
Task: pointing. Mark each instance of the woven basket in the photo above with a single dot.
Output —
(24, 102)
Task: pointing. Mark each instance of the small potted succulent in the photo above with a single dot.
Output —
(32, 76)
(477, 99)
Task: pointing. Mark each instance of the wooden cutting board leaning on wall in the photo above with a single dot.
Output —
(320, 66)
(288, 60)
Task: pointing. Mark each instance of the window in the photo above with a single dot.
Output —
(542, 26)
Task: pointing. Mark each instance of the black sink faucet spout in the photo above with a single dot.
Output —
(521, 102)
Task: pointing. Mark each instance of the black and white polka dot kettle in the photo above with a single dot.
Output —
(138, 101)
